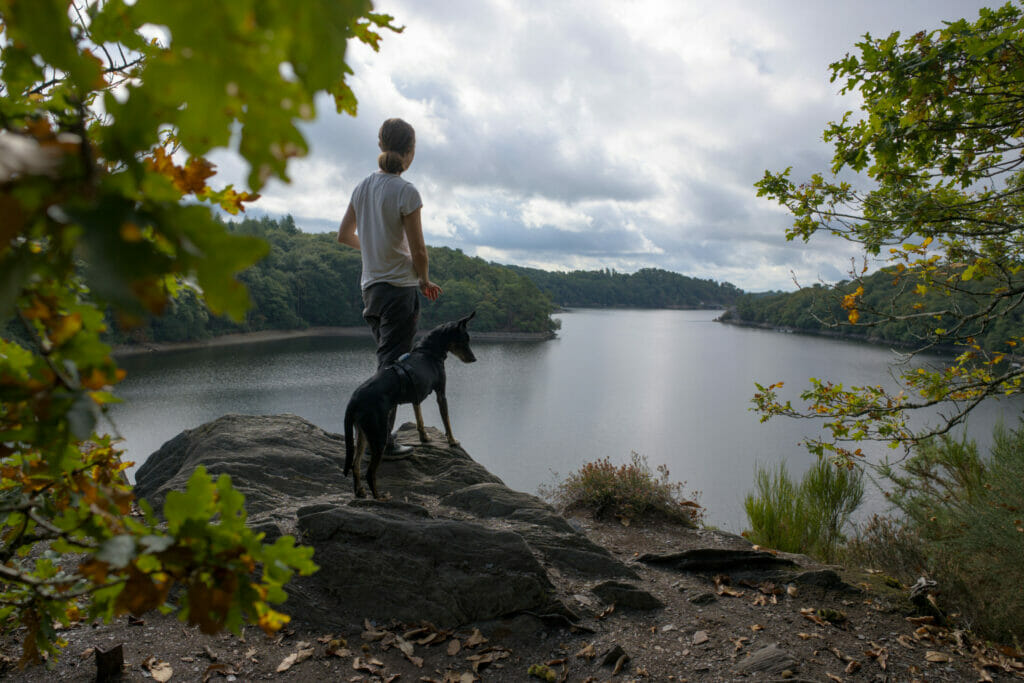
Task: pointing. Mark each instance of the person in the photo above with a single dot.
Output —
(383, 222)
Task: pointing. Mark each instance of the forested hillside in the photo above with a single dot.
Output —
(646, 288)
(889, 307)
(309, 280)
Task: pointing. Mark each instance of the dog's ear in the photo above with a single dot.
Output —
(464, 321)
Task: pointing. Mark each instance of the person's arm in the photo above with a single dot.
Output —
(418, 248)
(347, 231)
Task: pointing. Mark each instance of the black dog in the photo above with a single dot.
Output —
(410, 379)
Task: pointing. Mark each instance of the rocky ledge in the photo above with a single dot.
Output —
(452, 546)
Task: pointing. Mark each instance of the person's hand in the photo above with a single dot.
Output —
(430, 290)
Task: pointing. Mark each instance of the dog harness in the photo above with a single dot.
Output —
(408, 389)
(404, 378)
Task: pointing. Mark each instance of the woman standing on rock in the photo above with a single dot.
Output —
(383, 222)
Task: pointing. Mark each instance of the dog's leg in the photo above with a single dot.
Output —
(419, 423)
(371, 473)
(357, 461)
(442, 404)
(377, 437)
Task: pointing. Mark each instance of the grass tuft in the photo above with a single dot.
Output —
(628, 492)
(808, 517)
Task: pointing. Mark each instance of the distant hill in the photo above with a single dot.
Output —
(646, 288)
(309, 280)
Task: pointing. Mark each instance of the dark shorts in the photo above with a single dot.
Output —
(392, 314)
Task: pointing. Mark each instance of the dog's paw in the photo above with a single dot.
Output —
(424, 438)
(453, 443)
(360, 493)
(383, 497)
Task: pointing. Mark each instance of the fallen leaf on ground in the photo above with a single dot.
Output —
(338, 648)
(370, 666)
(219, 668)
(476, 639)
(878, 653)
(453, 647)
(809, 614)
(432, 639)
(833, 677)
(405, 646)
(852, 668)
(740, 642)
(723, 588)
(935, 656)
(587, 651)
(838, 653)
(756, 627)
(371, 634)
(294, 658)
(906, 641)
(608, 610)
(325, 639)
(160, 670)
(487, 658)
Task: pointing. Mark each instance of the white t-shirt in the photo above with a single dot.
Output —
(380, 201)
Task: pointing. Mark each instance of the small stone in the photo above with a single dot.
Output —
(704, 598)
(786, 673)
(700, 637)
(770, 659)
(668, 627)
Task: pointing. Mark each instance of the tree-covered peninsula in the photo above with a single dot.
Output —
(646, 288)
(309, 280)
(888, 306)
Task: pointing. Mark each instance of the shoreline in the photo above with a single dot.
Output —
(895, 345)
(241, 338)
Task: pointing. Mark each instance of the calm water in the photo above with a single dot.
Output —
(672, 385)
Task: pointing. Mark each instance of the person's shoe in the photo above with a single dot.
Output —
(397, 451)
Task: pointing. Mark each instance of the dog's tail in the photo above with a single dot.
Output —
(350, 446)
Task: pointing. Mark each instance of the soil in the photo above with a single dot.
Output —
(704, 633)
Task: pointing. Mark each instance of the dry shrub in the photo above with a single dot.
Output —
(628, 492)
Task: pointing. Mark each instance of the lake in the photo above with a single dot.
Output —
(674, 386)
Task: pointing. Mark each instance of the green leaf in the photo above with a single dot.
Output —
(195, 503)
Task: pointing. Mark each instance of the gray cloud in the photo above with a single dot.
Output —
(596, 133)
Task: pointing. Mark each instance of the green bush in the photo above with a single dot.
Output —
(628, 492)
(966, 515)
(806, 518)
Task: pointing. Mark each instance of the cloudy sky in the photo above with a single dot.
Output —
(603, 133)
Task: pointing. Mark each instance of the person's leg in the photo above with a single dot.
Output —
(398, 318)
(392, 314)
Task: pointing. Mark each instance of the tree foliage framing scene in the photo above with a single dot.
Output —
(939, 141)
(107, 109)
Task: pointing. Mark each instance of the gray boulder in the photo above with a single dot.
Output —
(453, 545)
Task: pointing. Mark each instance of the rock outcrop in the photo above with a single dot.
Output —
(453, 545)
